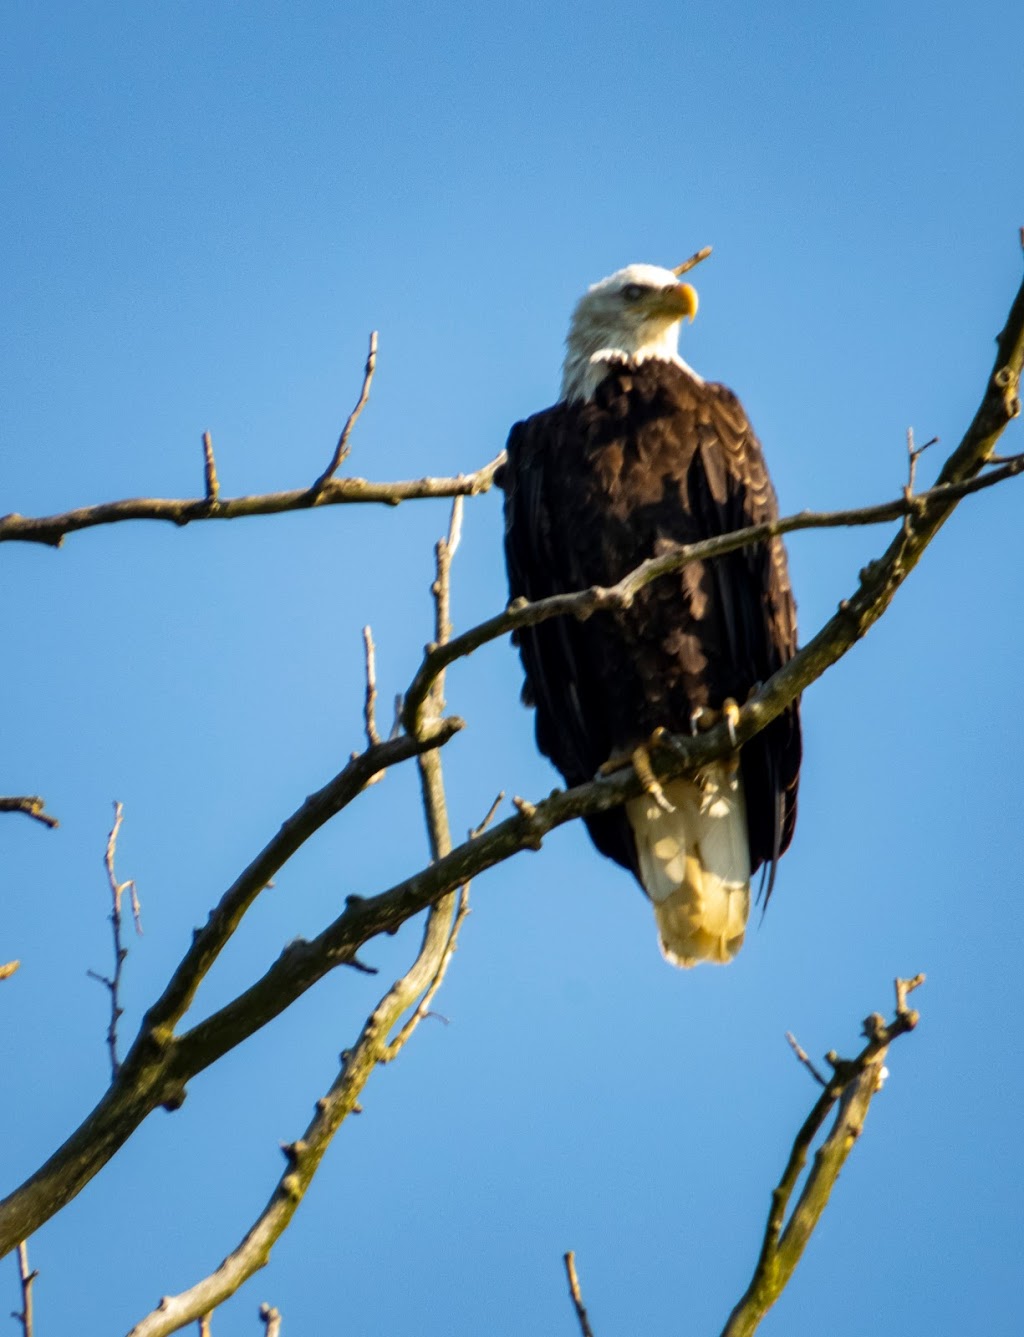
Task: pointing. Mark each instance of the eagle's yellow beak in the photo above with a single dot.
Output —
(678, 300)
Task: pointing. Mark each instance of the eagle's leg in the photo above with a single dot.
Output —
(640, 760)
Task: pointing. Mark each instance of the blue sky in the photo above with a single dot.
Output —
(206, 209)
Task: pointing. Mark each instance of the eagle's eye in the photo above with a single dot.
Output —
(632, 292)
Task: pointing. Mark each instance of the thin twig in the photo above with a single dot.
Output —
(370, 703)
(117, 890)
(29, 804)
(341, 450)
(205, 1325)
(576, 1295)
(210, 470)
(26, 1277)
(271, 1318)
(8, 969)
(802, 1056)
(853, 1085)
(693, 261)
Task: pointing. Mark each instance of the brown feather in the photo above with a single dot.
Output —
(655, 459)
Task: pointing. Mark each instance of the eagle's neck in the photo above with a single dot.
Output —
(587, 358)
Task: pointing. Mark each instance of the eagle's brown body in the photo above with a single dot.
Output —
(655, 458)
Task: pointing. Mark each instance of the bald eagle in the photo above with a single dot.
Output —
(639, 456)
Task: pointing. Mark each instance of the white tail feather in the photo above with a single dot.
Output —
(695, 865)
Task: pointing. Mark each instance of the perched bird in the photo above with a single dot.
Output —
(639, 456)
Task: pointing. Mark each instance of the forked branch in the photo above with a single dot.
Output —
(853, 1085)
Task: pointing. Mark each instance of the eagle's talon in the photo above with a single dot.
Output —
(641, 759)
(731, 715)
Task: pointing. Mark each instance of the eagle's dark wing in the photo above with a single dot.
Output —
(543, 559)
(656, 459)
(729, 488)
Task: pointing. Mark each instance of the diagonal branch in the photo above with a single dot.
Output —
(933, 505)
(146, 1079)
(853, 1085)
(357, 1064)
(341, 450)
(576, 1295)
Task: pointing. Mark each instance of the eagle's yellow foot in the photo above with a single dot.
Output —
(704, 718)
(640, 760)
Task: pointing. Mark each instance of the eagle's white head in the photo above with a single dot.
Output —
(637, 313)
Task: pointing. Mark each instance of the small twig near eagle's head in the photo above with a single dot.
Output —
(210, 470)
(31, 805)
(341, 450)
(693, 262)
(8, 968)
(576, 1295)
(853, 1085)
(26, 1276)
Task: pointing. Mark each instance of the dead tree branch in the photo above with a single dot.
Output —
(145, 1080)
(29, 804)
(424, 977)
(341, 450)
(112, 983)
(27, 1277)
(853, 1085)
(271, 1320)
(576, 1295)
(51, 529)
(210, 471)
(923, 506)
(160, 1063)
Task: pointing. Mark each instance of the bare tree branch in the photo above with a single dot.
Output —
(342, 449)
(370, 704)
(373, 1047)
(51, 529)
(210, 471)
(26, 1277)
(29, 804)
(8, 969)
(145, 1079)
(271, 1320)
(576, 1295)
(113, 983)
(853, 1085)
(584, 604)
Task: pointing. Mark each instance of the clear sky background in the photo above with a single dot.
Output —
(206, 208)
